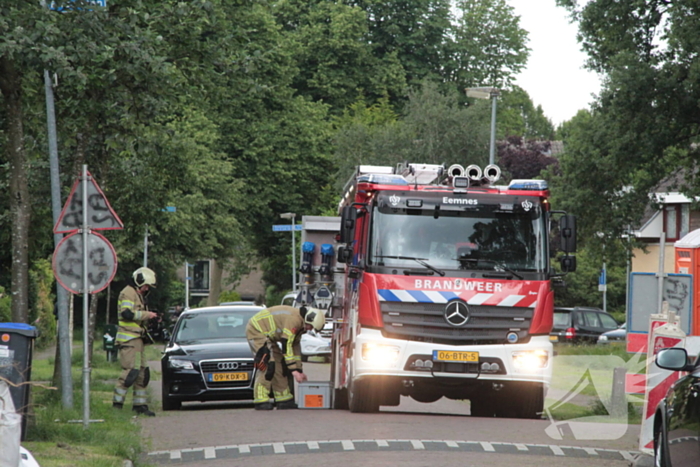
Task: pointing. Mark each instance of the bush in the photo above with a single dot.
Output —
(41, 311)
(5, 306)
(229, 296)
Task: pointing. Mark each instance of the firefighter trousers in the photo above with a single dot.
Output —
(279, 384)
(127, 358)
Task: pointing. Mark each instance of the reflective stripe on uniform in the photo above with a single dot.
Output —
(264, 316)
(140, 397)
(262, 394)
(132, 331)
(119, 395)
(283, 396)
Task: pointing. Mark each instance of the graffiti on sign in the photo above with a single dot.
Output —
(68, 263)
(100, 215)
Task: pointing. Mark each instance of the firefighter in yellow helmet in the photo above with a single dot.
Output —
(131, 335)
(265, 331)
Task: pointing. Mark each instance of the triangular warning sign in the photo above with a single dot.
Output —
(100, 215)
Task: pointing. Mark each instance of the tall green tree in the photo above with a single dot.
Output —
(488, 48)
(646, 122)
(333, 59)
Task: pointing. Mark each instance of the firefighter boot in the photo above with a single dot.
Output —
(264, 406)
(290, 404)
(143, 410)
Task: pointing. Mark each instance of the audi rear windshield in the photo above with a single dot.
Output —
(213, 325)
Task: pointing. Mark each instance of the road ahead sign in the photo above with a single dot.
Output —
(100, 215)
(285, 227)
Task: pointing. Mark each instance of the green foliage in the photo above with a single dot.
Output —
(5, 306)
(434, 129)
(518, 116)
(582, 286)
(644, 126)
(489, 46)
(41, 312)
(229, 296)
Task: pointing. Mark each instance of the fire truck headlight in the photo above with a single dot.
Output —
(380, 354)
(530, 360)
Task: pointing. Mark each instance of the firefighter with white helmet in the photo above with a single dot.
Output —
(133, 320)
(266, 331)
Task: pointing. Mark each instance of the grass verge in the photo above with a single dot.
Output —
(55, 436)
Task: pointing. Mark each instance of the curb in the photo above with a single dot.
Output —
(642, 460)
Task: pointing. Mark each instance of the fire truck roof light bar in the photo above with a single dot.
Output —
(528, 185)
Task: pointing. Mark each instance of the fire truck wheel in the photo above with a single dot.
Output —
(361, 398)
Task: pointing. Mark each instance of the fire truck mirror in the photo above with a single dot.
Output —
(568, 263)
(345, 254)
(567, 232)
(347, 224)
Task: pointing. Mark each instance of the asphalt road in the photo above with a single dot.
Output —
(413, 434)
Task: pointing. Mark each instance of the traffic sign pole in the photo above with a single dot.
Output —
(86, 297)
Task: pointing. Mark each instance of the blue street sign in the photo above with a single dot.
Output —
(285, 227)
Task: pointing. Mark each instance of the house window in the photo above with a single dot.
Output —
(200, 277)
(676, 220)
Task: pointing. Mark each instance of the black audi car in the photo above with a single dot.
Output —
(677, 417)
(208, 357)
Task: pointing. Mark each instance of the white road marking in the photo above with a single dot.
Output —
(521, 447)
(487, 446)
(451, 444)
(278, 448)
(557, 450)
(244, 449)
(175, 455)
(312, 444)
(382, 443)
(209, 453)
(590, 451)
(348, 445)
(417, 444)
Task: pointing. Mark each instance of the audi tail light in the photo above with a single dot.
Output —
(570, 333)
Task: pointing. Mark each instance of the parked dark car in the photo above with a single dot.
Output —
(208, 357)
(616, 335)
(677, 417)
(581, 324)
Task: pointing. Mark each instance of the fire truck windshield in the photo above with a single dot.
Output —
(486, 239)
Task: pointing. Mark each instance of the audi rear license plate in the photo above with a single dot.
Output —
(455, 356)
(222, 377)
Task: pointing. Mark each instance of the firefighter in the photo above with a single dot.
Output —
(265, 331)
(131, 338)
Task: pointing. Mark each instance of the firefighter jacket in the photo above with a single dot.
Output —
(285, 325)
(133, 315)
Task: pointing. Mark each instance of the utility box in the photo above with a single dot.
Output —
(16, 346)
(109, 342)
(314, 395)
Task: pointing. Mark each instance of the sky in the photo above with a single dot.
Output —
(554, 77)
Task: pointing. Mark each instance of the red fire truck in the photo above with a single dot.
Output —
(447, 289)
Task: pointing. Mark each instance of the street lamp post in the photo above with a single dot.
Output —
(292, 216)
(488, 93)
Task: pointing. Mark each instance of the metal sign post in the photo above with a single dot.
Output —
(85, 210)
(86, 296)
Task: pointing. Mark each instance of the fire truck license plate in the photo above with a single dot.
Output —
(221, 377)
(454, 356)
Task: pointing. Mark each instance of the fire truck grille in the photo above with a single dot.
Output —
(426, 322)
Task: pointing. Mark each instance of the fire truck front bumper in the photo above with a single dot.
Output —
(377, 355)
